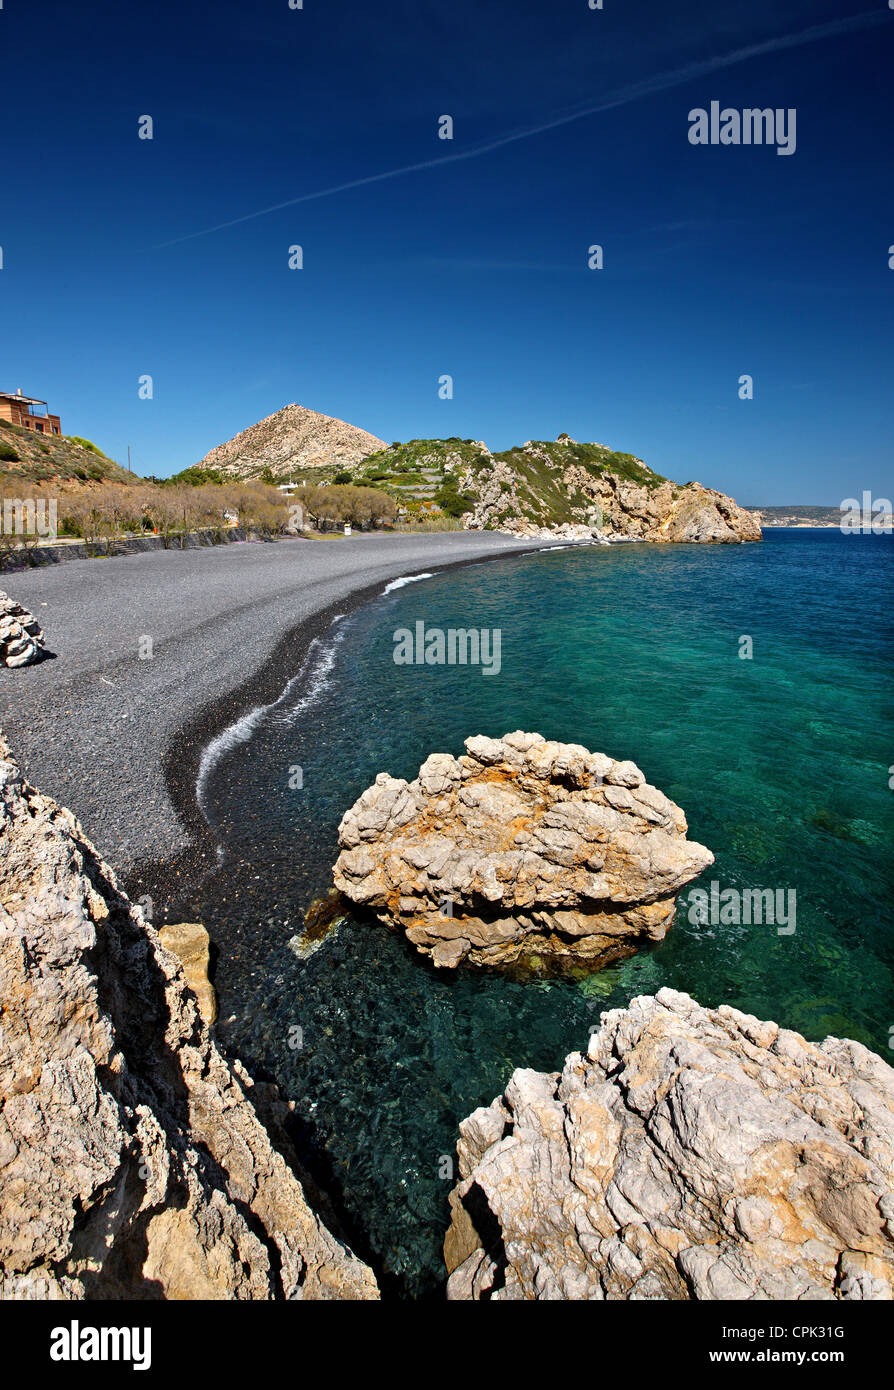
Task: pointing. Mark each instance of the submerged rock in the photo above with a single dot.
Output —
(21, 637)
(522, 852)
(692, 1153)
(133, 1163)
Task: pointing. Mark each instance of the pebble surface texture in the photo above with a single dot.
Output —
(522, 851)
(691, 1153)
(93, 726)
(133, 1163)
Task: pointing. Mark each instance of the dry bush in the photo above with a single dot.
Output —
(430, 521)
(360, 506)
(262, 508)
(100, 513)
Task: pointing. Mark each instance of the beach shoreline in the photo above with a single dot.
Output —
(119, 739)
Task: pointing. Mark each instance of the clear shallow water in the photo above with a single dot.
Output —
(781, 764)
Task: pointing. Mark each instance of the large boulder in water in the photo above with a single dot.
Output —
(691, 1153)
(522, 852)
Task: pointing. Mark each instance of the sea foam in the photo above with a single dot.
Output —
(309, 684)
(406, 579)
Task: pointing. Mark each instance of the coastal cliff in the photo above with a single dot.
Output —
(133, 1163)
(690, 1153)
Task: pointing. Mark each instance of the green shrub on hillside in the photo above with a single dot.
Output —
(8, 454)
(451, 500)
(85, 444)
(194, 477)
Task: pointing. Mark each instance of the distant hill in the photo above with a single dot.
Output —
(546, 484)
(41, 458)
(294, 440)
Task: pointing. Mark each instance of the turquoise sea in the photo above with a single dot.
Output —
(782, 763)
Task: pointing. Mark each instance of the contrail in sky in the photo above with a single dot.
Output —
(637, 90)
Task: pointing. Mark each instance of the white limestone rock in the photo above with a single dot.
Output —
(691, 1153)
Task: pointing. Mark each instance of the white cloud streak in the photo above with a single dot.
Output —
(636, 91)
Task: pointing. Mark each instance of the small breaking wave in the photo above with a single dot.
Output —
(223, 743)
(406, 579)
(309, 684)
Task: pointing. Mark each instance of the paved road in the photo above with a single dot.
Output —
(92, 727)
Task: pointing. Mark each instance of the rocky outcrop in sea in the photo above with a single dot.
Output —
(690, 1153)
(523, 852)
(21, 637)
(520, 492)
(133, 1163)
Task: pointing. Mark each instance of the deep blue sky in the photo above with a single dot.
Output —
(719, 261)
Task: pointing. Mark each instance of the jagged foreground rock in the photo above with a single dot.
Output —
(521, 852)
(293, 438)
(692, 1153)
(132, 1162)
(21, 637)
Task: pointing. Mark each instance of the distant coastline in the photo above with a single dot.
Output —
(801, 516)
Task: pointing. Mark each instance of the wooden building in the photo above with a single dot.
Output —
(28, 412)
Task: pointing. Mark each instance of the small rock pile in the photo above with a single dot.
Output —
(21, 638)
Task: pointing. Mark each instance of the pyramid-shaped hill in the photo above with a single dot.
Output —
(293, 439)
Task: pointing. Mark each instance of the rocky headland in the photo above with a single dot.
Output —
(133, 1162)
(557, 488)
(689, 1153)
(607, 499)
(523, 852)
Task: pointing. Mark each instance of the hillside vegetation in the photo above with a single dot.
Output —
(531, 489)
(37, 458)
(452, 475)
(543, 486)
